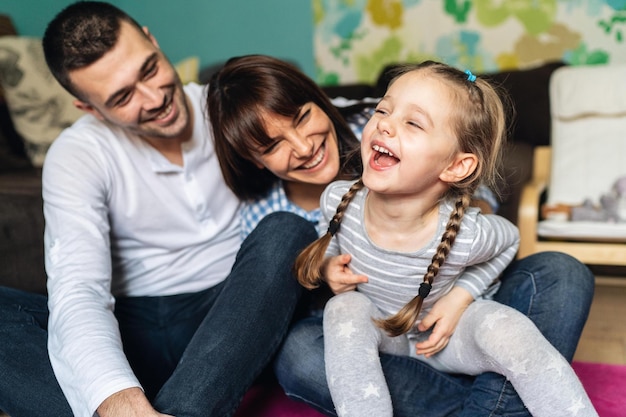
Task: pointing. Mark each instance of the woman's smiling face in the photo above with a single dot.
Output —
(305, 148)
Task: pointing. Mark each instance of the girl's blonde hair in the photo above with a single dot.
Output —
(478, 119)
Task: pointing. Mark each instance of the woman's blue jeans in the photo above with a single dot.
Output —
(195, 354)
(553, 289)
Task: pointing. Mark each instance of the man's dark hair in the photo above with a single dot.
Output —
(80, 35)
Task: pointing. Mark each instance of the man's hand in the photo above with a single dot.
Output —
(338, 276)
(445, 314)
(130, 402)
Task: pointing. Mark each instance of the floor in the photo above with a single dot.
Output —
(604, 336)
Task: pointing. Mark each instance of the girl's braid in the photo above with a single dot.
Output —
(405, 319)
(309, 262)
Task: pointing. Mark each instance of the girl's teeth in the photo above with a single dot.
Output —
(380, 149)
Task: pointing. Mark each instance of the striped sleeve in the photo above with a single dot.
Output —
(496, 241)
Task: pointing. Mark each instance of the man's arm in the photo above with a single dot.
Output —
(84, 343)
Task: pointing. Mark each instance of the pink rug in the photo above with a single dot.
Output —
(605, 384)
(271, 401)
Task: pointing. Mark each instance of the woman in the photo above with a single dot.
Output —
(277, 151)
(280, 141)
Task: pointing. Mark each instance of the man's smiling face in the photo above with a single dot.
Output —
(135, 87)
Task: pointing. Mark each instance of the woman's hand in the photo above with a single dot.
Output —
(338, 275)
(444, 316)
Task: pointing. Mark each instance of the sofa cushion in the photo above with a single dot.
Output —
(589, 124)
(40, 108)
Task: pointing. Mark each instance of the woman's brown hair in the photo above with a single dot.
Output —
(479, 122)
(237, 96)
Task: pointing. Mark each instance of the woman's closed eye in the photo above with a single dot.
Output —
(303, 117)
(270, 148)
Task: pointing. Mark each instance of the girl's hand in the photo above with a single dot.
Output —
(338, 275)
(444, 316)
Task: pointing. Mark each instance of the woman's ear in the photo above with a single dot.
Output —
(461, 167)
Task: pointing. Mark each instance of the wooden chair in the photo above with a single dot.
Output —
(587, 154)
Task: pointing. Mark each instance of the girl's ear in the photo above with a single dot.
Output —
(461, 167)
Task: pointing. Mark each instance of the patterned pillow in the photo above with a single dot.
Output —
(39, 107)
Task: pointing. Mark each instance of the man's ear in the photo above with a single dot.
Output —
(461, 167)
(149, 35)
(88, 108)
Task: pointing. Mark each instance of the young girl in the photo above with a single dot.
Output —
(408, 226)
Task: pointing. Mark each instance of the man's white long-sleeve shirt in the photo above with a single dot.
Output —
(121, 220)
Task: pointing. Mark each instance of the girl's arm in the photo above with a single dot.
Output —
(495, 245)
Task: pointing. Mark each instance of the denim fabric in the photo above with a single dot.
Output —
(28, 386)
(553, 289)
(196, 354)
(245, 326)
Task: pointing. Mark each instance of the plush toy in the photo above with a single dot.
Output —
(615, 202)
(612, 206)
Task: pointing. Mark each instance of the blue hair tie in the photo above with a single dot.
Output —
(470, 77)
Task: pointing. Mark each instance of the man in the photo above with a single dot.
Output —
(154, 308)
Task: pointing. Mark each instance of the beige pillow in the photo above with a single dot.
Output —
(40, 108)
(588, 109)
(188, 69)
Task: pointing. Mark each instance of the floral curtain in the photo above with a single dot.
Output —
(355, 39)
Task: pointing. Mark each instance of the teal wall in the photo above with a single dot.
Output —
(213, 30)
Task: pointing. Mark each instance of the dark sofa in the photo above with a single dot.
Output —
(21, 218)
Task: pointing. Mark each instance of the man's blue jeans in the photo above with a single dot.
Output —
(195, 354)
(553, 289)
